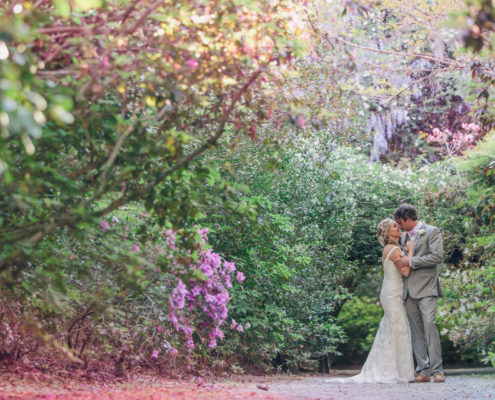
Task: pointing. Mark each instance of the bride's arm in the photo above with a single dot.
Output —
(409, 252)
(396, 254)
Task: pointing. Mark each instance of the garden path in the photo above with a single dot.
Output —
(463, 385)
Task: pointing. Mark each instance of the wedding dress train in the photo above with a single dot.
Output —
(390, 359)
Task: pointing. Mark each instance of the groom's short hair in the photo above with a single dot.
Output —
(406, 210)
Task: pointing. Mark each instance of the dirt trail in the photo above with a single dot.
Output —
(295, 387)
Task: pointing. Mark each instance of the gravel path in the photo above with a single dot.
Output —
(461, 385)
(466, 386)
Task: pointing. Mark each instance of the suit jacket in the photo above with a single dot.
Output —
(427, 254)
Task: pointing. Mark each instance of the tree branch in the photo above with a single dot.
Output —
(153, 7)
(398, 54)
(220, 130)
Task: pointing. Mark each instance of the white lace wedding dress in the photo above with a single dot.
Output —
(390, 360)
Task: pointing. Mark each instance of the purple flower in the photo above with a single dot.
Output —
(173, 320)
(216, 333)
(204, 234)
(206, 269)
(170, 239)
(135, 248)
(105, 225)
(240, 276)
(154, 354)
(248, 325)
(195, 291)
(222, 298)
(187, 330)
(229, 266)
(200, 306)
(177, 299)
(192, 63)
(233, 324)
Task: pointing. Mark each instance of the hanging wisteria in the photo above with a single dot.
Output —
(383, 124)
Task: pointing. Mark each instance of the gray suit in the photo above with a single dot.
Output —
(421, 290)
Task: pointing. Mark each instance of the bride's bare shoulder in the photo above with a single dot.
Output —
(389, 249)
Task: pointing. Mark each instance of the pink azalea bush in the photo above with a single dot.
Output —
(207, 297)
(193, 296)
(454, 143)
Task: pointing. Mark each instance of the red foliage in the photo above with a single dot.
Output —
(155, 391)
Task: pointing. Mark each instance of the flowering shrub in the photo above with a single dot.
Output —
(454, 143)
(207, 293)
(148, 295)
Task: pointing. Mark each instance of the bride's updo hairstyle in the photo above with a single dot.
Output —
(383, 230)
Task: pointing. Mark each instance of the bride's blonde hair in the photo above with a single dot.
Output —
(383, 230)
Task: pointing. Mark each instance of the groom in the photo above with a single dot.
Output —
(421, 290)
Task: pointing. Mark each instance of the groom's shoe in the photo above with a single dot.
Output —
(421, 378)
(438, 377)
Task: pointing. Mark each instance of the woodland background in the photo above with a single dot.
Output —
(195, 186)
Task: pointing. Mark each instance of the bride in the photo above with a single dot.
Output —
(390, 359)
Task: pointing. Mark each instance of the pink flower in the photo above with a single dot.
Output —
(248, 325)
(160, 329)
(230, 266)
(154, 354)
(240, 276)
(105, 225)
(301, 121)
(173, 353)
(233, 324)
(192, 63)
(135, 248)
(170, 238)
(239, 328)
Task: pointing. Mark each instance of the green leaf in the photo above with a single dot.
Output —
(62, 7)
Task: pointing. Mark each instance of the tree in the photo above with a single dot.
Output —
(106, 103)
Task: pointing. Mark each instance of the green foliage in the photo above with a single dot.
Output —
(293, 256)
(125, 115)
(360, 318)
(313, 239)
(132, 95)
(469, 313)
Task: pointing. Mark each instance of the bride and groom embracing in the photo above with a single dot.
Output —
(409, 298)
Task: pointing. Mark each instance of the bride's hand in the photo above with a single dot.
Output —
(409, 248)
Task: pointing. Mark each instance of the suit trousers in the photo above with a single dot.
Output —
(424, 333)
